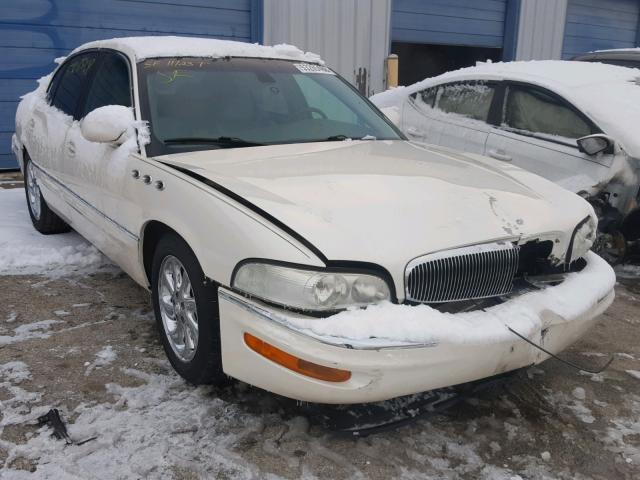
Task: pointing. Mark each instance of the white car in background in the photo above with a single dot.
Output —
(574, 123)
(290, 235)
(623, 57)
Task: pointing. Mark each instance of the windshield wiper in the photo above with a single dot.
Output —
(223, 141)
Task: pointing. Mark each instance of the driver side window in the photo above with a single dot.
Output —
(111, 84)
(535, 111)
(69, 83)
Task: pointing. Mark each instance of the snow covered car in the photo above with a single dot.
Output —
(573, 123)
(291, 237)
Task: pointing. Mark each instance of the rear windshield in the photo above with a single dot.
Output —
(202, 103)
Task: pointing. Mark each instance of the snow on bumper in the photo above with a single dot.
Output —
(395, 350)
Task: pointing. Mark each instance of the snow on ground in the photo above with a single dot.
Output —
(163, 425)
(627, 271)
(634, 373)
(28, 331)
(25, 251)
(104, 357)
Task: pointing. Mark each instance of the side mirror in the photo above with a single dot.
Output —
(594, 144)
(109, 124)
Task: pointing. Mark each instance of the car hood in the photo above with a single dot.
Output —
(387, 202)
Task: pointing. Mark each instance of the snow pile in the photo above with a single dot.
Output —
(29, 331)
(622, 437)
(17, 408)
(634, 373)
(104, 357)
(25, 251)
(15, 372)
(171, 46)
(425, 325)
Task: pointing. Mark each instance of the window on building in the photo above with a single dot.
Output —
(535, 111)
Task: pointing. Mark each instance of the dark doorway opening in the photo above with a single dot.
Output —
(418, 61)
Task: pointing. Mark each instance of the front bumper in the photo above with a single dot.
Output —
(379, 371)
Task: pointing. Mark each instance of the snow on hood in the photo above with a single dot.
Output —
(422, 324)
(608, 94)
(172, 46)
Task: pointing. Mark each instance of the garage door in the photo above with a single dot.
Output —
(34, 32)
(452, 22)
(599, 25)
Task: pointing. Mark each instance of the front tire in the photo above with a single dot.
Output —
(43, 218)
(186, 311)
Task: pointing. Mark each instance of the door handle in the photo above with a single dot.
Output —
(500, 155)
(415, 133)
(71, 149)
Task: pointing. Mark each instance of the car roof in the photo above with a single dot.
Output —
(613, 54)
(140, 48)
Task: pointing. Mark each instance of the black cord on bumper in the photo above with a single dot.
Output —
(566, 362)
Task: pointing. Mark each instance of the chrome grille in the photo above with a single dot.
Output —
(467, 273)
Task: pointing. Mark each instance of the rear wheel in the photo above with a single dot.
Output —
(43, 218)
(186, 310)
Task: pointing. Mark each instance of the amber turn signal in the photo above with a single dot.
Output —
(296, 364)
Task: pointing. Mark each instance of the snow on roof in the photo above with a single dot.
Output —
(171, 46)
(608, 94)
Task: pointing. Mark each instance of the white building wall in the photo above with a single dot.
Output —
(352, 36)
(541, 29)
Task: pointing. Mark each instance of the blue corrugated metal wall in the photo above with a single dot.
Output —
(34, 32)
(599, 25)
(451, 22)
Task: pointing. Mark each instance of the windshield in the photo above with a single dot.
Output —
(204, 103)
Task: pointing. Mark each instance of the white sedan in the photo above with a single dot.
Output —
(573, 123)
(290, 235)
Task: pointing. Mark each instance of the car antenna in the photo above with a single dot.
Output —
(566, 362)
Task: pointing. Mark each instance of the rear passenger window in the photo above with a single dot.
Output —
(110, 85)
(470, 99)
(535, 111)
(73, 79)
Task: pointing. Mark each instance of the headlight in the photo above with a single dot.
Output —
(583, 237)
(308, 289)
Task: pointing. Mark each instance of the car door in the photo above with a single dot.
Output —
(87, 162)
(101, 170)
(454, 115)
(47, 129)
(538, 132)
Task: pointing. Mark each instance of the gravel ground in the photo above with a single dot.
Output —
(87, 345)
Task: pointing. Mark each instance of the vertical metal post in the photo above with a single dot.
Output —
(392, 70)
